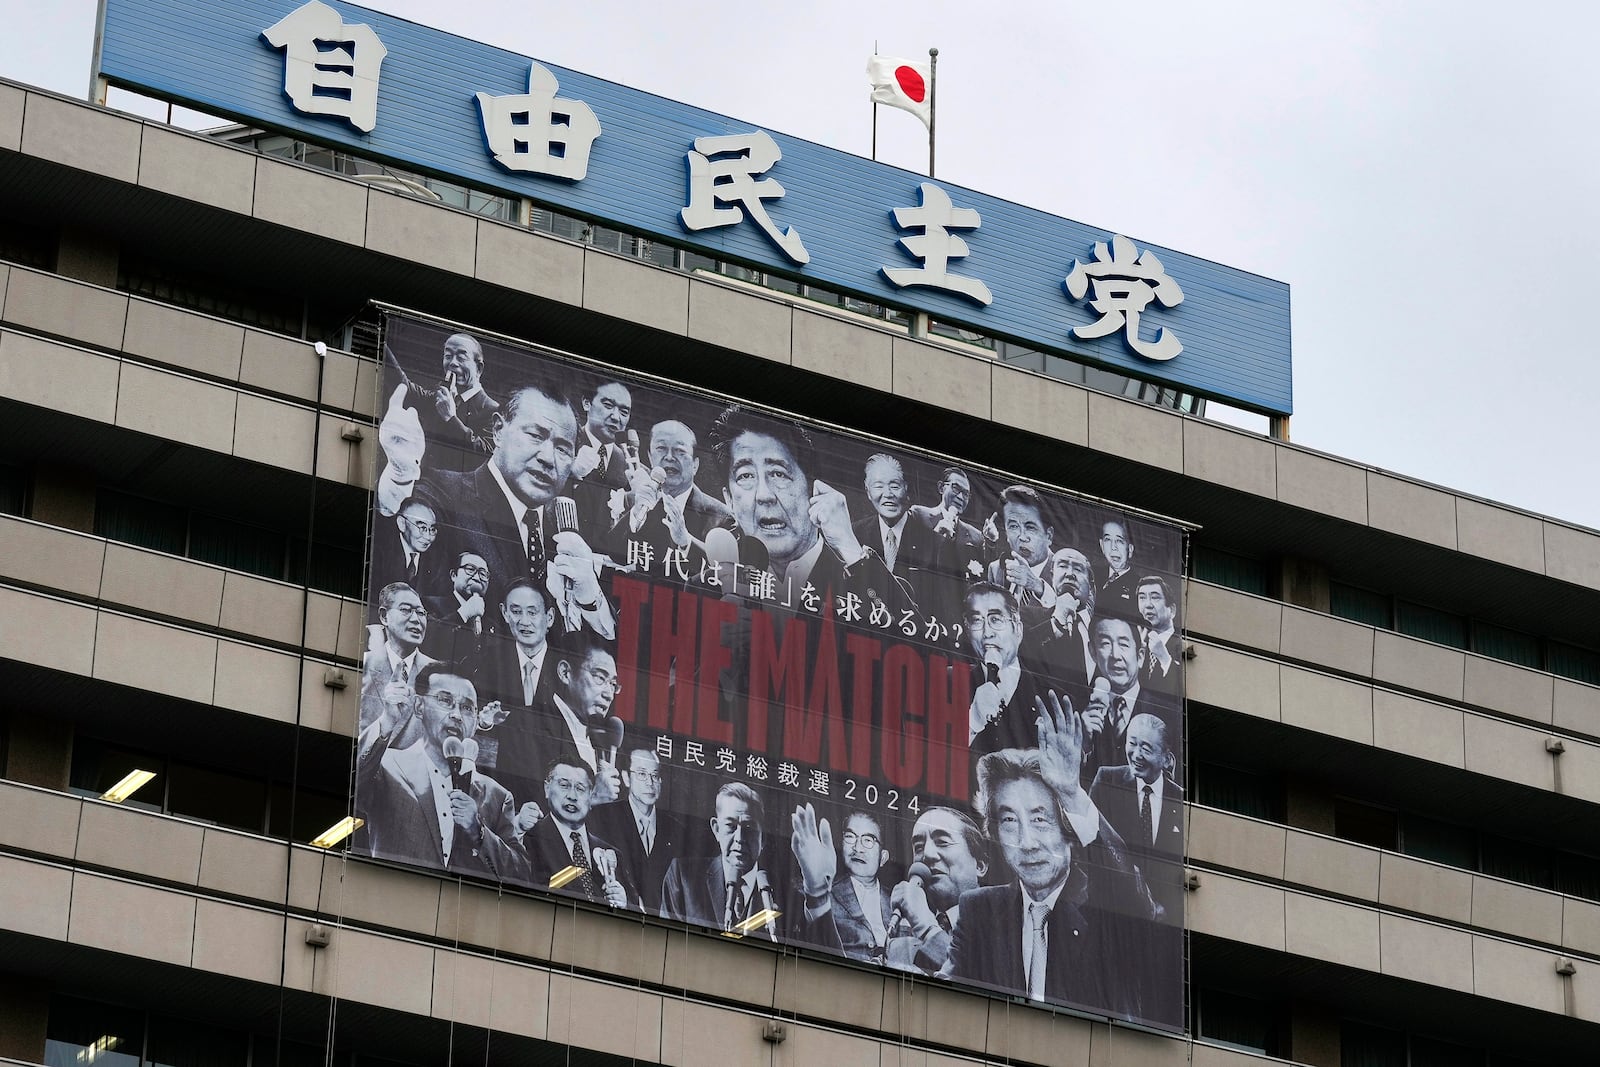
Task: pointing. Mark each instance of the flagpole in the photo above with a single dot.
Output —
(874, 115)
(933, 100)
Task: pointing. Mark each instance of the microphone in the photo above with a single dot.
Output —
(657, 475)
(765, 891)
(631, 449)
(462, 755)
(605, 734)
(564, 513)
(918, 875)
(991, 672)
(450, 380)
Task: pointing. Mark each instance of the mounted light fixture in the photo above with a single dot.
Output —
(129, 785)
(338, 832)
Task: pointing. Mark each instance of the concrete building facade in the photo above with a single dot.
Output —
(1394, 696)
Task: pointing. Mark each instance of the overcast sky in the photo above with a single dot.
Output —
(1423, 175)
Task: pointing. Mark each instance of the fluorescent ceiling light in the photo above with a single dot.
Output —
(338, 832)
(127, 787)
(754, 922)
(565, 875)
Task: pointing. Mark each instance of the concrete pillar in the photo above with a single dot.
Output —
(38, 752)
(64, 496)
(24, 1014)
(1304, 584)
(88, 257)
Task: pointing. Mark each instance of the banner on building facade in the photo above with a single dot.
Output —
(635, 644)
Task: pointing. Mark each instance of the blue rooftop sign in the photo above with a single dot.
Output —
(426, 100)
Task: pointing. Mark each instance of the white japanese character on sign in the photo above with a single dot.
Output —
(725, 760)
(1124, 282)
(330, 67)
(730, 179)
(675, 561)
(693, 753)
(539, 132)
(756, 767)
(818, 782)
(789, 774)
(664, 748)
(936, 246)
(640, 555)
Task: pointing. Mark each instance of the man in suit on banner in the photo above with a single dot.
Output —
(502, 510)
(674, 513)
(602, 463)
(561, 840)
(394, 657)
(426, 803)
(647, 836)
(1163, 667)
(1075, 926)
(1028, 571)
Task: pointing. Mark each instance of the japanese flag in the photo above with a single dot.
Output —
(901, 83)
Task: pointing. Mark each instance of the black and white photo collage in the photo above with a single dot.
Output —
(683, 655)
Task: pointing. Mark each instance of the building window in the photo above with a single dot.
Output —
(1371, 1046)
(1260, 796)
(1244, 1023)
(1579, 664)
(1365, 824)
(13, 490)
(1430, 624)
(1224, 568)
(138, 521)
(1441, 842)
(81, 1032)
(1361, 605)
(1511, 646)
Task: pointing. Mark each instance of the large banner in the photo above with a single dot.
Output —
(635, 644)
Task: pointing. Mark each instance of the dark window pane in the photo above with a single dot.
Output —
(1259, 796)
(1569, 661)
(13, 490)
(96, 767)
(147, 523)
(236, 546)
(225, 799)
(1360, 605)
(313, 812)
(184, 1043)
(1426, 1052)
(1368, 1046)
(81, 1032)
(1578, 876)
(333, 570)
(1430, 624)
(1365, 824)
(1235, 1021)
(1235, 572)
(1441, 842)
(1509, 645)
(1518, 861)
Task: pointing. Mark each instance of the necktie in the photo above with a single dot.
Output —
(580, 858)
(411, 566)
(1119, 715)
(535, 544)
(1147, 816)
(889, 547)
(405, 672)
(943, 919)
(647, 835)
(527, 682)
(1038, 913)
(733, 910)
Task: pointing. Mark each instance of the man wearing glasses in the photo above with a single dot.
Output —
(402, 556)
(860, 902)
(1118, 590)
(648, 836)
(426, 803)
(456, 622)
(562, 853)
(394, 658)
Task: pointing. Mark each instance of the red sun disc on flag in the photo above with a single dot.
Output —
(911, 83)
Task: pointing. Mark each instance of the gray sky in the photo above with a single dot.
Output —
(1423, 175)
